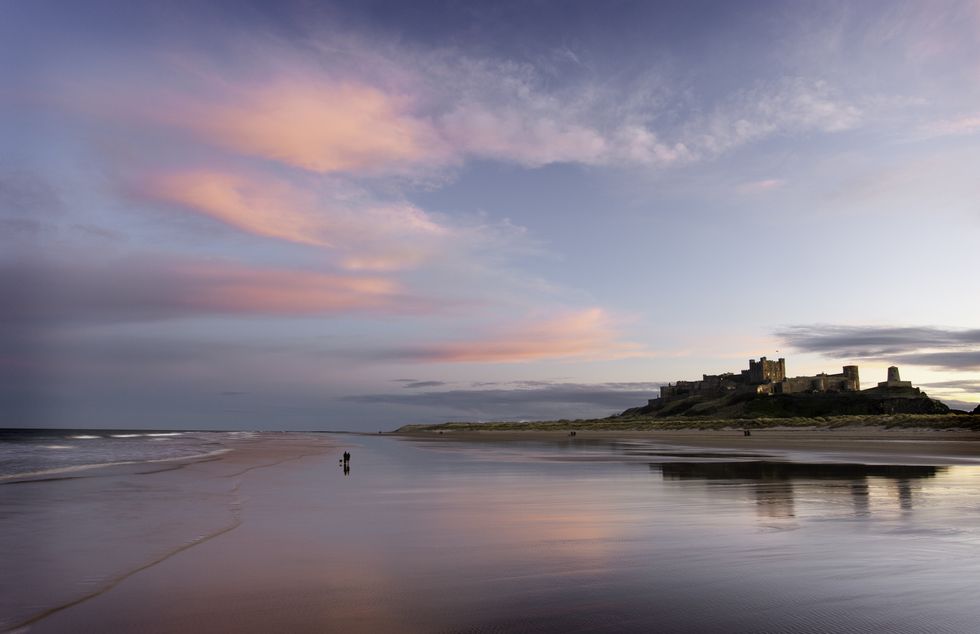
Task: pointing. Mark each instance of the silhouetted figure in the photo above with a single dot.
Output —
(346, 468)
(746, 432)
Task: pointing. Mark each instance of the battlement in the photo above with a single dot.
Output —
(765, 371)
(766, 377)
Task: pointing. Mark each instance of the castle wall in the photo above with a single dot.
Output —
(764, 377)
(846, 381)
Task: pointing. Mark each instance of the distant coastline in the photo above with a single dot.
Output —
(763, 397)
(929, 422)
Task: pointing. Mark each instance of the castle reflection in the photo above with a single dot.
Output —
(774, 484)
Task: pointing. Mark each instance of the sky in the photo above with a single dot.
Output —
(353, 216)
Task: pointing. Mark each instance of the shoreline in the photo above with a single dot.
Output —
(204, 491)
(59, 472)
(921, 446)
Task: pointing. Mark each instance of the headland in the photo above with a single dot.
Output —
(762, 397)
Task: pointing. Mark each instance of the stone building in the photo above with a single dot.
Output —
(846, 381)
(894, 381)
(763, 377)
(765, 371)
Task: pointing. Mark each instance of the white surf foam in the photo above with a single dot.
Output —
(84, 467)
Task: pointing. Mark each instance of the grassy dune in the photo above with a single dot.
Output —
(645, 423)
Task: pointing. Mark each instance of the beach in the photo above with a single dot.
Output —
(507, 532)
(870, 444)
(75, 534)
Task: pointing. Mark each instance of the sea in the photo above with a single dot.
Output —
(444, 535)
(29, 452)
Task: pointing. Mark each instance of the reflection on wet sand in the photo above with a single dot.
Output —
(519, 536)
(773, 482)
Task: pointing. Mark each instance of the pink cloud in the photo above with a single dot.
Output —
(314, 124)
(366, 109)
(239, 289)
(960, 126)
(367, 236)
(138, 289)
(586, 334)
(755, 187)
(262, 207)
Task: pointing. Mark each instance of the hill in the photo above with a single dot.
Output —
(876, 401)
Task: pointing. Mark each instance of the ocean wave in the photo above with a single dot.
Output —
(56, 447)
(84, 437)
(126, 435)
(84, 467)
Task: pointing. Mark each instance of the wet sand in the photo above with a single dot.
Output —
(505, 532)
(68, 538)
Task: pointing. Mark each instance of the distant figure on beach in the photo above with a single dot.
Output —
(746, 432)
(571, 433)
(345, 461)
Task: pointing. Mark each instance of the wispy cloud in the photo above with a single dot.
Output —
(953, 349)
(958, 393)
(128, 289)
(968, 385)
(953, 360)
(966, 125)
(415, 385)
(308, 110)
(528, 138)
(314, 124)
(793, 106)
(586, 334)
(524, 123)
(368, 234)
(27, 193)
(756, 187)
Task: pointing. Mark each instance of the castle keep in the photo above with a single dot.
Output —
(765, 377)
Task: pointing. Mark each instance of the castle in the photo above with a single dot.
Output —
(769, 377)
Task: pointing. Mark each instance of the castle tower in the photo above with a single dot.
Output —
(894, 381)
(766, 371)
(851, 372)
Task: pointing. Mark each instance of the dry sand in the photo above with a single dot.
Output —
(858, 445)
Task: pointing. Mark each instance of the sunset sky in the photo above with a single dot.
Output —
(305, 215)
